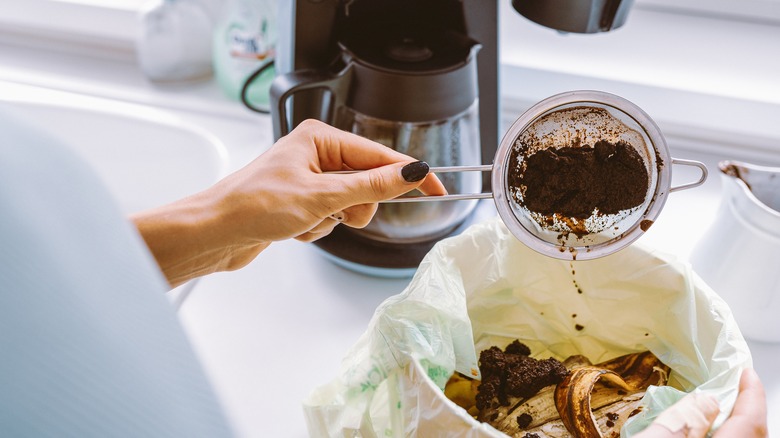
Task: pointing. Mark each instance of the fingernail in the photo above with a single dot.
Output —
(414, 172)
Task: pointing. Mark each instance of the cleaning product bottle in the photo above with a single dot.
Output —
(174, 43)
(244, 41)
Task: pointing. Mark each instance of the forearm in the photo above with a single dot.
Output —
(286, 193)
(187, 239)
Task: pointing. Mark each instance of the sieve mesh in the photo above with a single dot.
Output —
(573, 121)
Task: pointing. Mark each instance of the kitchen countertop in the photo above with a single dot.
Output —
(293, 303)
(271, 332)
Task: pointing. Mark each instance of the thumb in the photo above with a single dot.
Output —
(390, 181)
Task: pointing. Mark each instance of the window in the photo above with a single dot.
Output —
(130, 5)
(706, 70)
(762, 11)
(91, 22)
(709, 68)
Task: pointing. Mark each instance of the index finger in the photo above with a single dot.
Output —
(339, 150)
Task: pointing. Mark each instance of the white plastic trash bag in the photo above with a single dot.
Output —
(485, 288)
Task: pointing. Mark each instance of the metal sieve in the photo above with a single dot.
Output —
(576, 119)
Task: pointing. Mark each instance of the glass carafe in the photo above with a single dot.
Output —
(453, 141)
(415, 95)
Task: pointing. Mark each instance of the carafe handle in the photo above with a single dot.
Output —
(285, 86)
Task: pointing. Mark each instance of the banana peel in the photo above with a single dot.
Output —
(573, 398)
(608, 419)
(592, 401)
(629, 375)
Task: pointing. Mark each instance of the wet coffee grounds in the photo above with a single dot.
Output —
(524, 420)
(575, 181)
(512, 373)
(611, 418)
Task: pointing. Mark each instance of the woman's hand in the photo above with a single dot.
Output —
(748, 418)
(693, 415)
(282, 194)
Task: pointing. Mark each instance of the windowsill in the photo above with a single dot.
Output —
(87, 71)
(89, 25)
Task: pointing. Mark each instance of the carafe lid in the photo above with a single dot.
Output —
(421, 52)
(410, 60)
(410, 80)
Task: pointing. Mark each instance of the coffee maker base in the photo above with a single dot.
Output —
(372, 271)
(375, 258)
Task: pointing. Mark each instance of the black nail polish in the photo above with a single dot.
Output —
(414, 172)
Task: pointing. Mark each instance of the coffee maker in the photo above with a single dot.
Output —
(419, 76)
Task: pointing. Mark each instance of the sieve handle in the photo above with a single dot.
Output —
(693, 163)
(444, 169)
